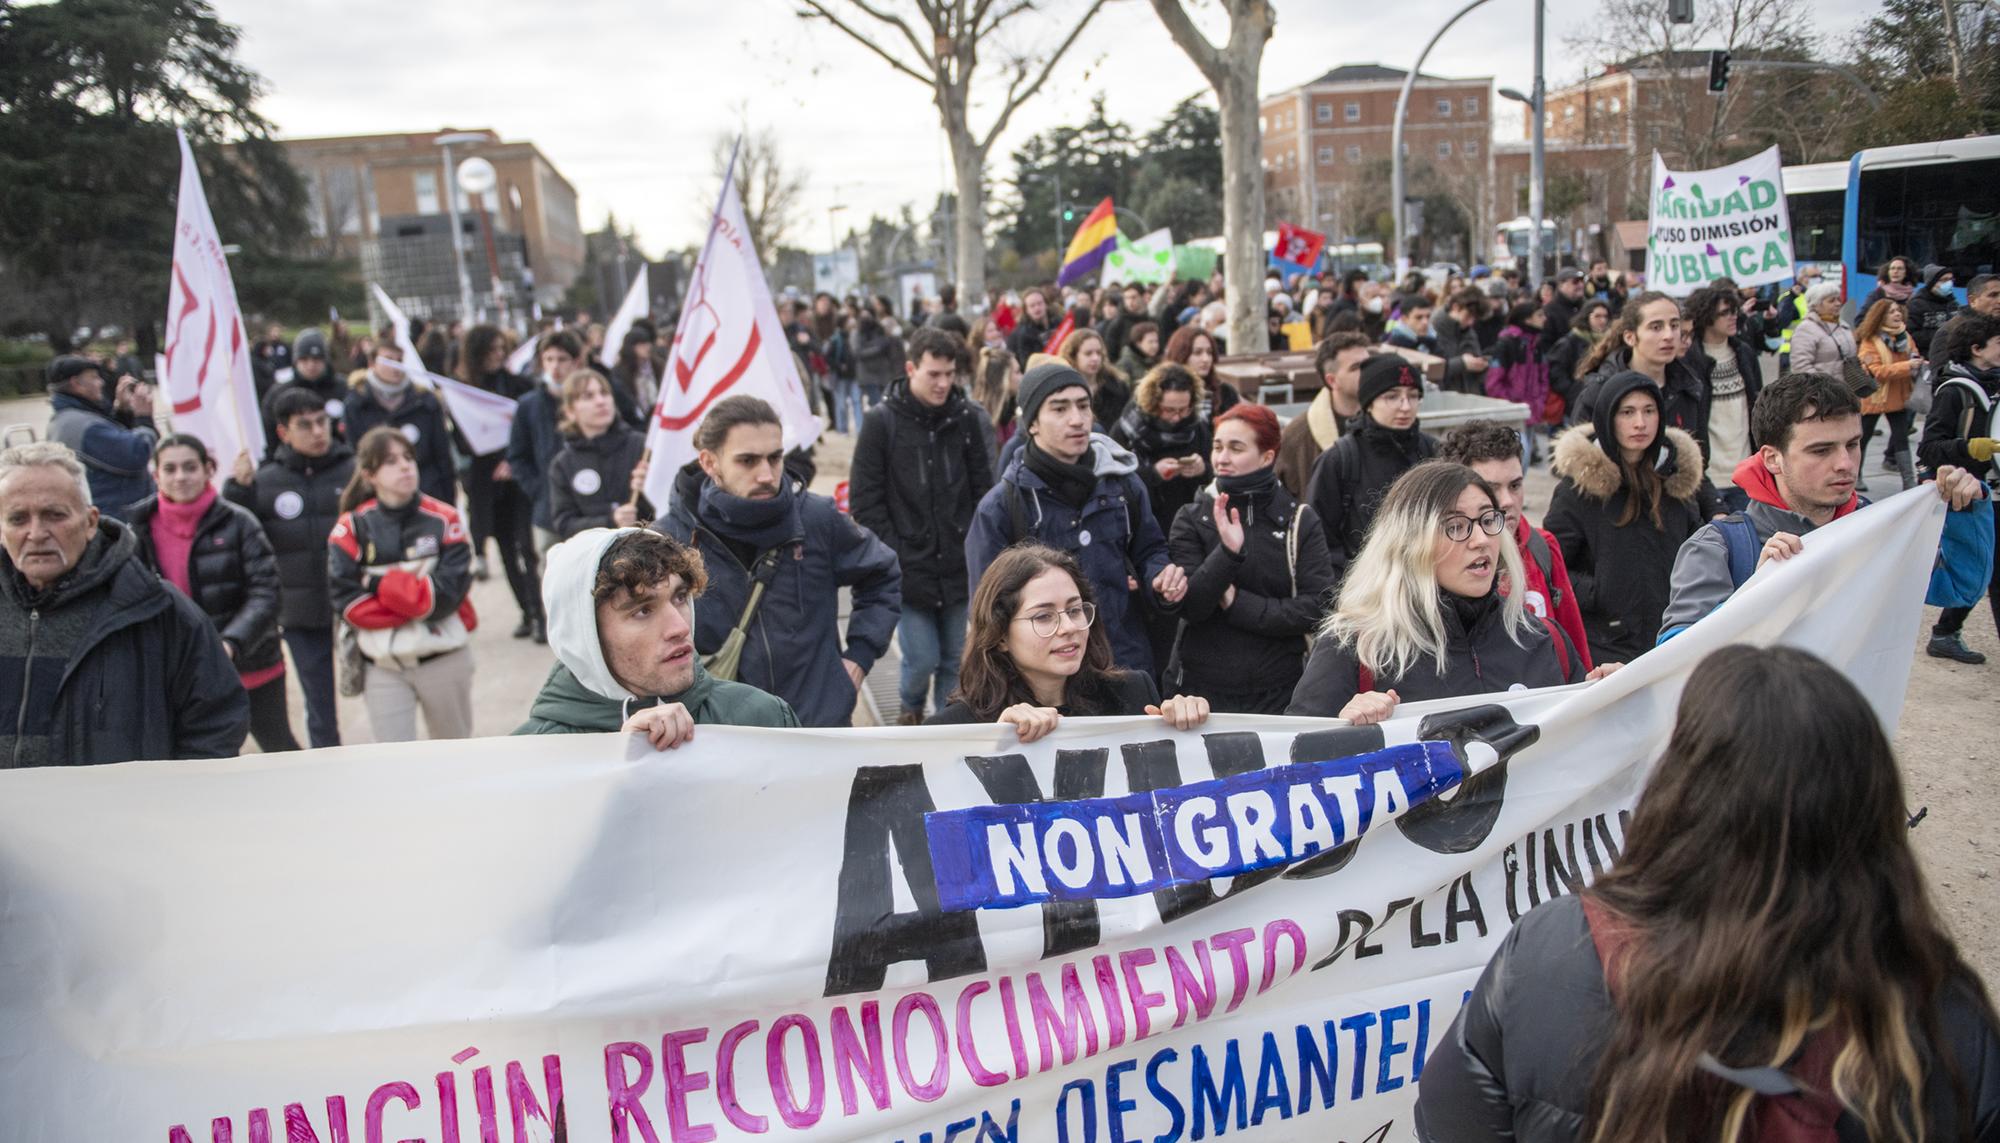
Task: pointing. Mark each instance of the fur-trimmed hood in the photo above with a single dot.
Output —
(1596, 475)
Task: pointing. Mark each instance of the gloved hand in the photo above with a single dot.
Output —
(1981, 448)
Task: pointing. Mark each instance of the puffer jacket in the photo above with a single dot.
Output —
(793, 649)
(233, 575)
(1622, 575)
(147, 678)
(1283, 580)
(593, 475)
(915, 480)
(297, 500)
(1113, 536)
(1479, 658)
(391, 569)
(1819, 347)
(1518, 1061)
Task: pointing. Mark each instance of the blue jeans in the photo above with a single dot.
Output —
(846, 405)
(932, 641)
(312, 655)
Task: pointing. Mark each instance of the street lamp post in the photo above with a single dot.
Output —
(1396, 164)
(1538, 183)
(447, 142)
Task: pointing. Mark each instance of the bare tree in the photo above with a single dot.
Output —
(945, 60)
(1232, 71)
(771, 188)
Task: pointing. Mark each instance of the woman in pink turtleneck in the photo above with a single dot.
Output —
(217, 555)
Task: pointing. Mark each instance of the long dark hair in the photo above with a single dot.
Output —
(1773, 895)
(1614, 337)
(369, 456)
(988, 680)
(473, 349)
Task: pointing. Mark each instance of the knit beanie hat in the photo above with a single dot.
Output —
(1384, 372)
(1045, 381)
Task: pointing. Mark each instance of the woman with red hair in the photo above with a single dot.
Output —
(1259, 575)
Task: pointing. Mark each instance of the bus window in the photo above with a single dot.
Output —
(1942, 214)
(1816, 220)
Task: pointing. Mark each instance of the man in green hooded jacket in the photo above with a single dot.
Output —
(620, 606)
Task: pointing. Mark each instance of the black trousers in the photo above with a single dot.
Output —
(270, 721)
(312, 658)
(1952, 620)
(500, 510)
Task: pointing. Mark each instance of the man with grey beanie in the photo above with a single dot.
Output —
(1079, 491)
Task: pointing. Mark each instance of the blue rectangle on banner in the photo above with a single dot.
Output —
(987, 857)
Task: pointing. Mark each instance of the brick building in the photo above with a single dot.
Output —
(1600, 135)
(380, 198)
(1324, 142)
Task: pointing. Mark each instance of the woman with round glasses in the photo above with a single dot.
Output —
(1035, 653)
(1420, 616)
(1628, 495)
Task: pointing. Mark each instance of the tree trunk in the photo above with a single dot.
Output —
(1243, 202)
(968, 165)
(1954, 46)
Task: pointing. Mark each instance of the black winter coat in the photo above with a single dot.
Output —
(1621, 575)
(1928, 315)
(297, 500)
(1283, 579)
(592, 476)
(1957, 417)
(420, 418)
(1518, 1061)
(1350, 479)
(149, 681)
(233, 574)
(916, 478)
(532, 445)
(1153, 440)
(1478, 660)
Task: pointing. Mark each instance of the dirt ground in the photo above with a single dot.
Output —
(1945, 735)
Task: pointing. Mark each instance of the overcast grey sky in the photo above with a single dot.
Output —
(625, 96)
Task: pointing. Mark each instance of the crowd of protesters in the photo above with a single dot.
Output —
(1328, 565)
(1072, 506)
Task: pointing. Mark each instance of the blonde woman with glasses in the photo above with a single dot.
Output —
(1421, 615)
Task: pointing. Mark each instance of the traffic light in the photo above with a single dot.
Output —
(1718, 71)
(1069, 213)
(1680, 11)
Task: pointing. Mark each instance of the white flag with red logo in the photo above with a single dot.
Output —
(207, 374)
(484, 418)
(729, 344)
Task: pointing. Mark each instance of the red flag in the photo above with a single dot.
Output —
(1054, 343)
(1298, 246)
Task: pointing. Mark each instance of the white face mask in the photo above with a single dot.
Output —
(1942, 289)
(1374, 305)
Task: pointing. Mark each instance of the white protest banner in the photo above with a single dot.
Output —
(630, 310)
(206, 374)
(1731, 222)
(1147, 259)
(485, 418)
(729, 343)
(1262, 929)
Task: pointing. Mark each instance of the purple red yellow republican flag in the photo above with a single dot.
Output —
(1097, 237)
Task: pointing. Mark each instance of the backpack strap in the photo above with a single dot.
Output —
(1739, 537)
(1292, 547)
(1561, 640)
(1538, 551)
(1017, 516)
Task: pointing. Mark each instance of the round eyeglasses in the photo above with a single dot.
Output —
(1047, 623)
(1458, 528)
